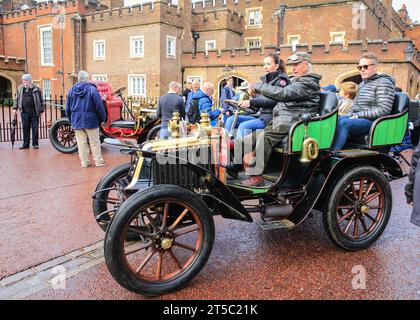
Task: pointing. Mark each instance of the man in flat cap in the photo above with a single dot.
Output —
(299, 97)
(31, 104)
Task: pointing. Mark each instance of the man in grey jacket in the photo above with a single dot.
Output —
(374, 100)
(30, 103)
(299, 97)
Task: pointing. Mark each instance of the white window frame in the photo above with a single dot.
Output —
(192, 78)
(100, 77)
(248, 40)
(132, 47)
(340, 34)
(206, 45)
(290, 40)
(248, 17)
(42, 46)
(169, 54)
(131, 93)
(95, 56)
(44, 91)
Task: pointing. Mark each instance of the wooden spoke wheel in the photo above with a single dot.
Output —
(63, 137)
(175, 236)
(106, 202)
(359, 208)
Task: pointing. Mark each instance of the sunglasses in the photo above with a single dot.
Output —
(364, 67)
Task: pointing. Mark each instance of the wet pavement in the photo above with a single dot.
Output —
(45, 213)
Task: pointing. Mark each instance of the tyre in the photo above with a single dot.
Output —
(153, 134)
(109, 199)
(358, 209)
(175, 237)
(62, 136)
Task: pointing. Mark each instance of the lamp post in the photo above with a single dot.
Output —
(195, 36)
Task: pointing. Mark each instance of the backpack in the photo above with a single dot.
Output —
(193, 113)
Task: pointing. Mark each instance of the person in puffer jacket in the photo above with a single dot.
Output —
(86, 112)
(412, 189)
(206, 102)
(374, 100)
(274, 75)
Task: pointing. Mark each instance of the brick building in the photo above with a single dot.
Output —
(143, 45)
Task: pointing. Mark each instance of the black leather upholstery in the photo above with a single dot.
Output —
(123, 124)
(328, 103)
(401, 102)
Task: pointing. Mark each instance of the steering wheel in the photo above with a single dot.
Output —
(233, 106)
(118, 91)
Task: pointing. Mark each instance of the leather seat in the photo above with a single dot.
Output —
(123, 124)
(327, 104)
(400, 104)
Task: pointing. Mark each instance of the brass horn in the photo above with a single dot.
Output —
(310, 149)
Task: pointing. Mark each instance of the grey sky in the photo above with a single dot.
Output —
(413, 7)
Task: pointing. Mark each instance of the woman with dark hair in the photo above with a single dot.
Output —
(274, 75)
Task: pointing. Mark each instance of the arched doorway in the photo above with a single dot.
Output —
(353, 76)
(6, 88)
(222, 82)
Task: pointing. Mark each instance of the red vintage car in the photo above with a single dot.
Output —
(142, 124)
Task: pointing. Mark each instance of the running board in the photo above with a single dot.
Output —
(276, 224)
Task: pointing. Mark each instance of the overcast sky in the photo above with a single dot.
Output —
(413, 7)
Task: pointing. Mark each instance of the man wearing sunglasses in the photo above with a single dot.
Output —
(374, 100)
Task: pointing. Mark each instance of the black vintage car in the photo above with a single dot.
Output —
(158, 209)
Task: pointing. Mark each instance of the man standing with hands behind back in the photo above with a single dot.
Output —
(30, 103)
(86, 112)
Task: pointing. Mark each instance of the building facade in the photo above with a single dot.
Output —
(143, 45)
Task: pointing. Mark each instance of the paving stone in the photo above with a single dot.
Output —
(30, 291)
(16, 277)
(52, 263)
(10, 291)
(80, 252)
(72, 264)
(84, 267)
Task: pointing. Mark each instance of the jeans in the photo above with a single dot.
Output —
(350, 127)
(245, 125)
(30, 121)
(164, 133)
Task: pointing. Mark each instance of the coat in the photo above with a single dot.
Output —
(299, 97)
(205, 104)
(38, 100)
(84, 106)
(375, 97)
(266, 104)
(412, 189)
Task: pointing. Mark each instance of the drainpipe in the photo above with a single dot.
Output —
(26, 47)
(282, 10)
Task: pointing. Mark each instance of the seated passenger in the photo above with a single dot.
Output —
(374, 100)
(241, 92)
(301, 96)
(275, 76)
(348, 91)
(205, 102)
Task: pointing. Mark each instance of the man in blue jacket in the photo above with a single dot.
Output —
(86, 112)
(205, 102)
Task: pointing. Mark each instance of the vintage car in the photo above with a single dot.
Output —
(142, 126)
(159, 218)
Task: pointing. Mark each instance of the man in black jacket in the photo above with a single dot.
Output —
(412, 189)
(31, 104)
(169, 103)
(299, 97)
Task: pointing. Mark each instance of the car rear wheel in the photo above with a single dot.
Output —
(359, 208)
(175, 236)
(63, 137)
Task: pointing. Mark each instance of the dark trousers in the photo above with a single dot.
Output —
(30, 121)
